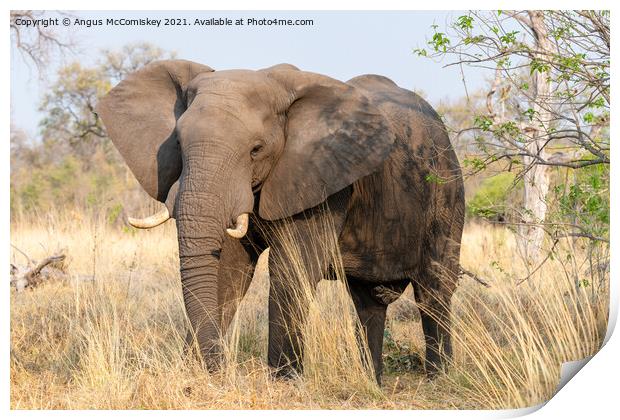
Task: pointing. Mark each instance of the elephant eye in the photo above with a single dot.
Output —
(256, 150)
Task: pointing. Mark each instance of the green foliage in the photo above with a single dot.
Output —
(547, 103)
(398, 357)
(509, 37)
(65, 183)
(30, 194)
(483, 122)
(490, 200)
(597, 103)
(435, 179)
(70, 122)
(473, 39)
(588, 117)
(475, 163)
(74, 164)
(530, 113)
(508, 128)
(114, 212)
(129, 230)
(539, 66)
(584, 200)
(440, 42)
(504, 62)
(465, 22)
(68, 107)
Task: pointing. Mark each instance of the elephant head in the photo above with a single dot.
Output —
(285, 138)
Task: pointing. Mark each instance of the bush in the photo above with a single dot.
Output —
(583, 199)
(490, 200)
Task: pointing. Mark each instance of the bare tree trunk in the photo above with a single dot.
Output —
(536, 178)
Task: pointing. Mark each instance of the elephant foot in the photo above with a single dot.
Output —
(432, 373)
(212, 357)
(378, 379)
(434, 367)
(284, 372)
(214, 363)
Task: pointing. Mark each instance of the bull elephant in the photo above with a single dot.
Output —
(283, 145)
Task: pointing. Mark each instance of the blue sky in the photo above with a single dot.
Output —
(339, 44)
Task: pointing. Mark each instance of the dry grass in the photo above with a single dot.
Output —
(117, 341)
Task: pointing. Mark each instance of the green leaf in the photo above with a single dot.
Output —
(434, 178)
(483, 122)
(538, 66)
(465, 22)
(509, 38)
(588, 117)
(439, 42)
(530, 113)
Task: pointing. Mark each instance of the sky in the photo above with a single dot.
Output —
(341, 45)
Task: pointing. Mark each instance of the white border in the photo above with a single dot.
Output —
(593, 394)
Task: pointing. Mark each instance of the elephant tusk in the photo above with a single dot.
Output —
(241, 226)
(150, 221)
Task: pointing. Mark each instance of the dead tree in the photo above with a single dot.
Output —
(34, 274)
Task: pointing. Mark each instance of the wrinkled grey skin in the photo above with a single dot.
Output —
(280, 143)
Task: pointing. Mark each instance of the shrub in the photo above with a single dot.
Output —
(490, 200)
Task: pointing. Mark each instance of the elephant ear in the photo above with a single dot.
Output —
(334, 136)
(140, 116)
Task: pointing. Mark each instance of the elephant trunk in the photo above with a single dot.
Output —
(205, 208)
(200, 244)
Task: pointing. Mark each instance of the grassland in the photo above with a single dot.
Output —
(112, 336)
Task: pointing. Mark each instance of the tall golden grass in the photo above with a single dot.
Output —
(112, 336)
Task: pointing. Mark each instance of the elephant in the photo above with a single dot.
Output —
(283, 145)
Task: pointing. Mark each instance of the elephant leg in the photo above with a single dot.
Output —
(237, 263)
(236, 271)
(300, 253)
(433, 289)
(434, 305)
(371, 302)
(287, 312)
(372, 319)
